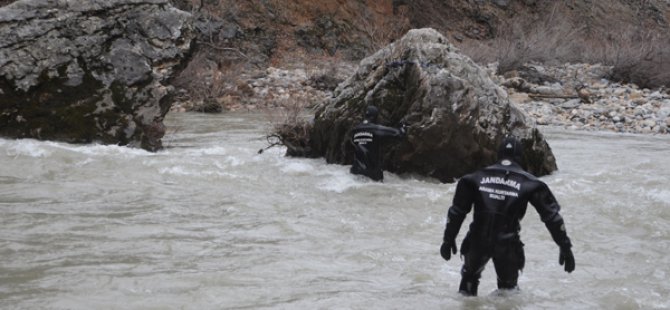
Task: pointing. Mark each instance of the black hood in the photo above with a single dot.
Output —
(371, 114)
(512, 149)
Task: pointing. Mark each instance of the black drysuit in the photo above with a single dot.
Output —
(500, 194)
(368, 138)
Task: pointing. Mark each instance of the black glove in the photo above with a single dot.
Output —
(448, 248)
(566, 257)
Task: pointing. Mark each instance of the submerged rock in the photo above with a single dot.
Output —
(456, 114)
(86, 71)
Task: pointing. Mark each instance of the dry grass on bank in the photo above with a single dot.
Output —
(635, 54)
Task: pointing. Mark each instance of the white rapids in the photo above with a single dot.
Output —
(209, 223)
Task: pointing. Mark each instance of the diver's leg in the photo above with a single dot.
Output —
(474, 264)
(508, 260)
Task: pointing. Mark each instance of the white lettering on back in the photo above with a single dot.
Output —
(502, 181)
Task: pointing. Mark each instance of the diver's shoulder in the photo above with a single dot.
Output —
(512, 167)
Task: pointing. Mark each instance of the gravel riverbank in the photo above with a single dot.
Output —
(578, 96)
(574, 96)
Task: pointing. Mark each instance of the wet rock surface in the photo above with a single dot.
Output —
(90, 71)
(456, 113)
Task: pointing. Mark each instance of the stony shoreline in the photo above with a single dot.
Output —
(572, 96)
(580, 98)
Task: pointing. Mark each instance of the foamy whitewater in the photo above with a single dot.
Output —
(209, 223)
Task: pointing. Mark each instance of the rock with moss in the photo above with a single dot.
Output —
(85, 71)
(456, 114)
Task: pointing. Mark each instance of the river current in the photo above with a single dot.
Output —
(209, 223)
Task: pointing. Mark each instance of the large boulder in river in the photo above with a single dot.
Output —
(456, 114)
(85, 71)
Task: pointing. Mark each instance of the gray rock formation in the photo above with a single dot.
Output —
(86, 71)
(456, 114)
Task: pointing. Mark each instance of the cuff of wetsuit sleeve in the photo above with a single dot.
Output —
(565, 244)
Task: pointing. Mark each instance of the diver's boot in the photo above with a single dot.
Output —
(506, 288)
(468, 287)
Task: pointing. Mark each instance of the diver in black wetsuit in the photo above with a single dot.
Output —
(367, 138)
(500, 194)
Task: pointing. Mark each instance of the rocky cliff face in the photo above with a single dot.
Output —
(457, 115)
(278, 32)
(484, 19)
(89, 71)
(240, 39)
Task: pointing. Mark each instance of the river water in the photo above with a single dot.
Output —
(209, 223)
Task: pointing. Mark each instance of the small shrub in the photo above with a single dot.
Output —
(636, 57)
(203, 81)
(290, 127)
(520, 42)
(382, 30)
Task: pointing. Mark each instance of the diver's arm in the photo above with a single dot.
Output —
(548, 208)
(388, 132)
(461, 206)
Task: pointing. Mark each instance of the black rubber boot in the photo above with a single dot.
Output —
(468, 287)
(507, 285)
